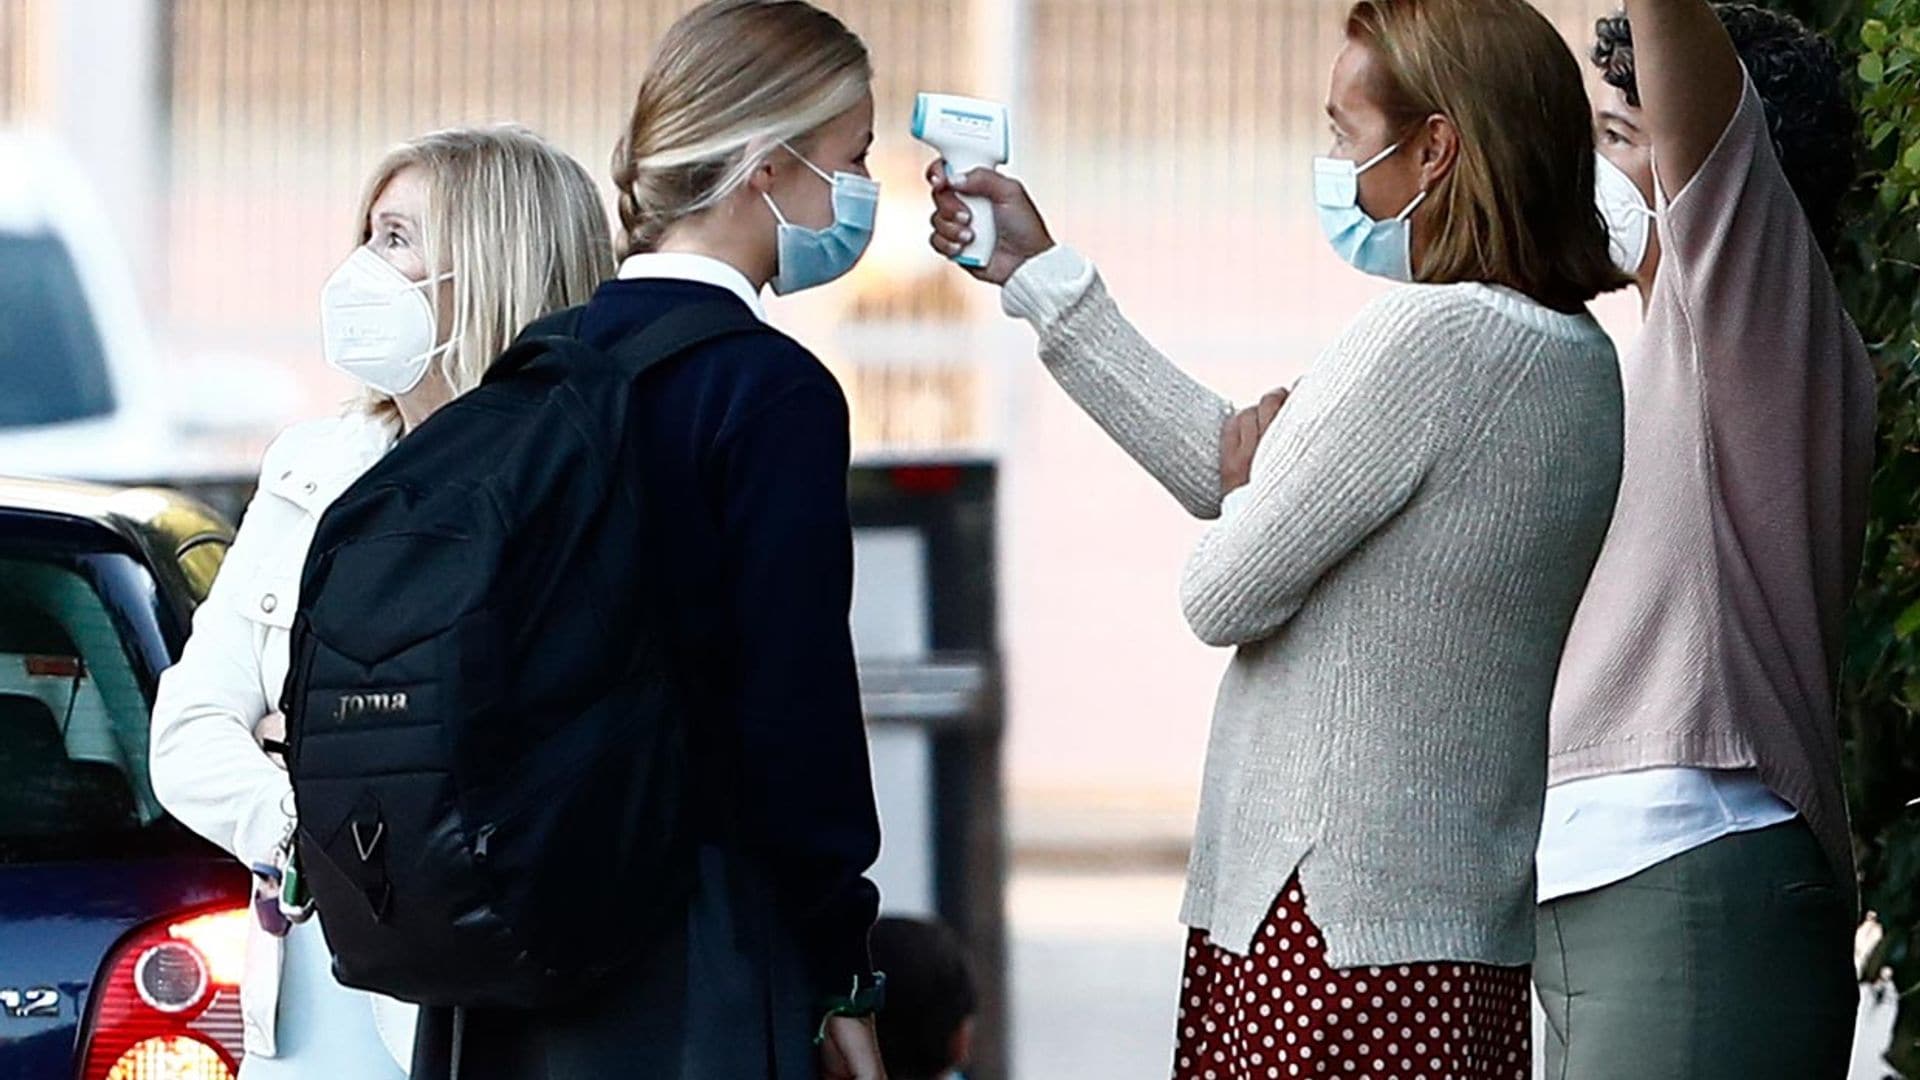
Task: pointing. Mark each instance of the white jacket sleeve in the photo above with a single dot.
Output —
(208, 768)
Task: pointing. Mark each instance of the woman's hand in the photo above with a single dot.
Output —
(852, 1050)
(1020, 232)
(1241, 438)
(272, 728)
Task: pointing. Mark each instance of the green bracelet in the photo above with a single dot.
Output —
(857, 1003)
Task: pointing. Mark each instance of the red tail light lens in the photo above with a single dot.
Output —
(927, 479)
(168, 1007)
(55, 667)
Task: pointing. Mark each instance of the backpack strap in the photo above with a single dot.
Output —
(554, 338)
(681, 330)
(563, 323)
(551, 336)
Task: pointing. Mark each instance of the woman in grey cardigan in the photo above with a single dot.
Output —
(1397, 557)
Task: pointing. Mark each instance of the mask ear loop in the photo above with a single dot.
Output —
(801, 158)
(447, 345)
(437, 351)
(1402, 217)
(428, 283)
(1378, 158)
(817, 171)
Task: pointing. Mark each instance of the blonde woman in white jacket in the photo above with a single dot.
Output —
(464, 237)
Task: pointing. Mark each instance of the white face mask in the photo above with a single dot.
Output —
(1629, 219)
(377, 325)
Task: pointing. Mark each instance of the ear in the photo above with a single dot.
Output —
(1439, 150)
(767, 173)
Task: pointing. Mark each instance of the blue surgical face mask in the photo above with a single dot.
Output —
(810, 257)
(1381, 248)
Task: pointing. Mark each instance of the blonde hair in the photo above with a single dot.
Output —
(518, 224)
(730, 81)
(1517, 208)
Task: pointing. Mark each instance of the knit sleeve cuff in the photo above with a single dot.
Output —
(1046, 286)
(1235, 502)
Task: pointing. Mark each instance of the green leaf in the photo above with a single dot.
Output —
(1911, 159)
(1886, 128)
(1873, 34)
(1872, 69)
(1909, 621)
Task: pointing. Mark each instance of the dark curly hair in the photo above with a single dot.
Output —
(1803, 86)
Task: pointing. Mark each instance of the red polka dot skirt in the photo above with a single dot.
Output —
(1283, 1012)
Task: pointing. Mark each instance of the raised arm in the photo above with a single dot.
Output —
(1162, 417)
(1690, 81)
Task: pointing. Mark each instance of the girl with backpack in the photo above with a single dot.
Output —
(464, 236)
(743, 167)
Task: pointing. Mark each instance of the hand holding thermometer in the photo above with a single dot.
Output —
(970, 134)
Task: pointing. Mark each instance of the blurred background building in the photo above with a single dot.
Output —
(228, 141)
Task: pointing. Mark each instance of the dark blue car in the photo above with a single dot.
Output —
(121, 934)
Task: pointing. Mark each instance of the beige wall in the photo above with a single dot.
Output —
(16, 61)
(279, 109)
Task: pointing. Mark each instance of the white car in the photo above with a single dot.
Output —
(79, 389)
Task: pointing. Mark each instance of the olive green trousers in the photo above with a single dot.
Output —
(1731, 961)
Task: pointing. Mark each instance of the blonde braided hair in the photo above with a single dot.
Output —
(730, 81)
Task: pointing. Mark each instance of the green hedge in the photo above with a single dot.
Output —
(1878, 269)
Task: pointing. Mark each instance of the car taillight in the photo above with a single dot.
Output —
(55, 667)
(171, 1057)
(220, 938)
(168, 1006)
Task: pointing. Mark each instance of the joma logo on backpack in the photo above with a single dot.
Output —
(354, 706)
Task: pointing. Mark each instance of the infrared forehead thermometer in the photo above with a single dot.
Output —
(970, 134)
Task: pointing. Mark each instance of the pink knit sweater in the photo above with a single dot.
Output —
(1710, 635)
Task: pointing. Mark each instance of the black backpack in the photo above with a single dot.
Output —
(487, 754)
